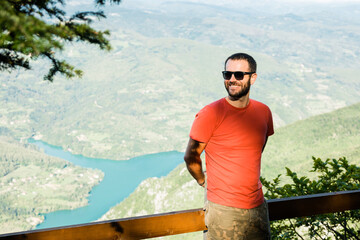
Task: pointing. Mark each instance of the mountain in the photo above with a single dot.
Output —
(330, 135)
(166, 64)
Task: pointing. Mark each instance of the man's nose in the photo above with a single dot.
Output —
(233, 79)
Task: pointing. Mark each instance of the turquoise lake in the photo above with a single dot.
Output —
(121, 178)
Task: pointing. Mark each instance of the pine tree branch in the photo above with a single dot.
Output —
(25, 34)
(346, 229)
(294, 229)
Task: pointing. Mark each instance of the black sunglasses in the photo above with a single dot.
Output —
(238, 75)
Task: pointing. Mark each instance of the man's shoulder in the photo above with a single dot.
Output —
(216, 103)
(213, 108)
(259, 104)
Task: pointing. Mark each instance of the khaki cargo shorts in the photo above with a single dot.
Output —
(225, 222)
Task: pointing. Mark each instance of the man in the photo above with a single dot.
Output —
(233, 131)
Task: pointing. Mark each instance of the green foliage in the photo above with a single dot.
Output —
(332, 176)
(32, 29)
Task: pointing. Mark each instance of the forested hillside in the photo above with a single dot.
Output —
(32, 183)
(331, 135)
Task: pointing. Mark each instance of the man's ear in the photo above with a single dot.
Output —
(253, 78)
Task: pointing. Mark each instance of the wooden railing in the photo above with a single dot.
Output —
(188, 221)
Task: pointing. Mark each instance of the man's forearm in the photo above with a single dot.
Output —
(193, 160)
(195, 169)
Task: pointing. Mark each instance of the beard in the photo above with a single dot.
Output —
(237, 95)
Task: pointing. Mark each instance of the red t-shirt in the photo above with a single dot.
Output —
(235, 138)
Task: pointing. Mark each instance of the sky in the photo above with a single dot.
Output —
(79, 2)
(322, 1)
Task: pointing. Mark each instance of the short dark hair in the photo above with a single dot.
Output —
(243, 56)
